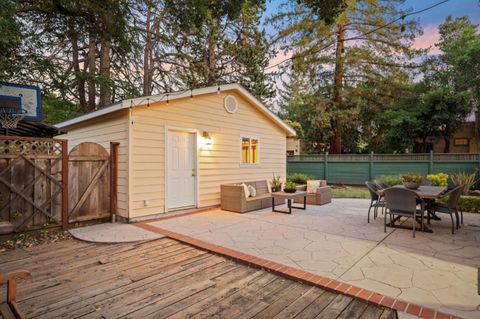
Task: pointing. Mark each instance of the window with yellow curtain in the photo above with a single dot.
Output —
(249, 150)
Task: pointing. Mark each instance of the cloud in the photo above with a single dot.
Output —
(428, 39)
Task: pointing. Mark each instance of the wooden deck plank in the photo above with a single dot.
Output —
(164, 279)
(300, 304)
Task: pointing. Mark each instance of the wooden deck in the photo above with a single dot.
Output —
(163, 279)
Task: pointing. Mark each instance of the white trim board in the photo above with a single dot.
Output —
(179, 95)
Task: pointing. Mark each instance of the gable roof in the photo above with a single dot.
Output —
(125, 104)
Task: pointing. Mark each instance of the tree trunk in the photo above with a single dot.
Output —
(79, 78)
(446, 148)
(92, 48)
(105, 89)
(147, 53)
(335, 139)
(211, 78)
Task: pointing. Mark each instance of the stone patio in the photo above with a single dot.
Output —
(437, 270)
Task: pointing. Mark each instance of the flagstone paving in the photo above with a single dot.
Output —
(437, 270)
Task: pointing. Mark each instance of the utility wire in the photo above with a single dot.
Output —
(358, 37)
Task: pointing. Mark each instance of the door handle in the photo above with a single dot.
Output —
(193, 173)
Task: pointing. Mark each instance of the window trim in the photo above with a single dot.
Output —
(250, 137)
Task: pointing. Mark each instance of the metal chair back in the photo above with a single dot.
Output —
(426, 182)
(372, 189)
(380, 185)
(454, 197)
(400, 200)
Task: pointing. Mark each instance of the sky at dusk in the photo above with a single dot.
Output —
(429, 20)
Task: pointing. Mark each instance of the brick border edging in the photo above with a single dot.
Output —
(302, 276)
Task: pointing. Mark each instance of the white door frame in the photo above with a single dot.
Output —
(169, 128)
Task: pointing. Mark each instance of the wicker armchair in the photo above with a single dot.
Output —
(321, 196)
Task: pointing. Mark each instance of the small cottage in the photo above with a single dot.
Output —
(177, 149)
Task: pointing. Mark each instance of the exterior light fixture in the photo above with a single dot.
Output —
(207, 139)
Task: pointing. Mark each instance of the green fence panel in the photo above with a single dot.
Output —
(356, 169)
(454, 167)
(348, 172)
(391, 168)
(312, 169)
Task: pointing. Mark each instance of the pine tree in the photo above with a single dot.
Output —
(219, 42)
(349, 75)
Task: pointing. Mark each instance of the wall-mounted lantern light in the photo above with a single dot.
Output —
(206, 140)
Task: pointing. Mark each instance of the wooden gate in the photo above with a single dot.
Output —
(31, 182)
(89, 183)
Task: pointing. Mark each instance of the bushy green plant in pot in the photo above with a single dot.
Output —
(276, 184)
(412, 180)
(290, 187)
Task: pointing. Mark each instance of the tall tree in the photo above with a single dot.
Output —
(219, 42)
(71, 46)
(348, 60)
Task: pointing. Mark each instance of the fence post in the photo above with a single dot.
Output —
(113, 178)
(64, 185)
(430, 164)
(325, 166)
(370, 172)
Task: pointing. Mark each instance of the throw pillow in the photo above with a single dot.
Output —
(245, 189)
(312, 186)
(252, 191)
(323, 183)
(269, 186)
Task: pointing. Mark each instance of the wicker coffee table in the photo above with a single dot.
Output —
(289, 197)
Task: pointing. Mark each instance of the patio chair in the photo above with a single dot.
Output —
(380, 184)
(375, 200)
(451, 207)
(402, 202)
(426, 182)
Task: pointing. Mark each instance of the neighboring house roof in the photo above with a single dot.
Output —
(125, 104)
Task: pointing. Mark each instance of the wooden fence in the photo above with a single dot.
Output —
(355, 169)
(42, 185)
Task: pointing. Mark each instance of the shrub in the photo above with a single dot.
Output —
(412, 178)
(469, 204)
(391, 180)
(440, 179)
(467, 180)
(290, 185)
(298, 178)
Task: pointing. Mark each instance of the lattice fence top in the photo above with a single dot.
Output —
(384, 157)
(11, 146)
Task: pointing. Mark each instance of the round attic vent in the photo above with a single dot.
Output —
(231, 104)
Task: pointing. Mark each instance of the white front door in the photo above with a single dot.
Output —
(181, 169)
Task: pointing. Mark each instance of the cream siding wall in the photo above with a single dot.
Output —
(219, 164)
(103, 130)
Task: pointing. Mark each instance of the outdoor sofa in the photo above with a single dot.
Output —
(234, 198)
(317, 194)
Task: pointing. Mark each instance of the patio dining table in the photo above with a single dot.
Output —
(427, 193)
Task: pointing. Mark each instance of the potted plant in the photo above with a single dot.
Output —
(290, 187)
(440, 179)
(276, 184)
(412, 180)
(299, 179)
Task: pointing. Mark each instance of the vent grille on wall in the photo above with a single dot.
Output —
(231, 104)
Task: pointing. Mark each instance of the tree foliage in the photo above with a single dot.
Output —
(346, 68)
